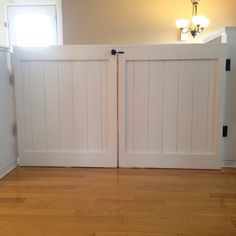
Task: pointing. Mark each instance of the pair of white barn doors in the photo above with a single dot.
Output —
(153, 106)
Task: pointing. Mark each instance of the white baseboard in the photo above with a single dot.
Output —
(68, 159)
(182, 161)
(4, 170)
(228, 164)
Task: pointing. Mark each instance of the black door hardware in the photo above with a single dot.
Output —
(114, 52)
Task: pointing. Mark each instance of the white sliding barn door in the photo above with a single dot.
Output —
(66, 106)
(169, 106)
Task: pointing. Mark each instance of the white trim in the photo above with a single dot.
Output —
(56, 3)
(173, 51)
(59, 22)
(219, 33)
(228, 164)
(67, 159)
(4, 49)
(184, 161)
(4, 170)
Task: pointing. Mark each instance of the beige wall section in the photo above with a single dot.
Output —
(137, 21)
(131, 21)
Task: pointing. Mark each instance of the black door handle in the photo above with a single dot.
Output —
(114, 52)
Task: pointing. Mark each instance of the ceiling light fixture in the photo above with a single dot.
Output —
(198, 23)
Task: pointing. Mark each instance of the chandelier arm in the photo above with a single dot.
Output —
(185, 32)
(194, 13)
(195, 9)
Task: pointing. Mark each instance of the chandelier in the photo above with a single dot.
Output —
(197, 25)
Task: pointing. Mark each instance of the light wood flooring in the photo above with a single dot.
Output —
(118, 202)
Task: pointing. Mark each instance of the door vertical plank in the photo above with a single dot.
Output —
(38, 105)
(80, 106)
(184, 138)
(211, 107)
(156, 69)
(28, 129)
(141, 106)
(170, 106)
(200, 106)
(104, 104)
(66, 105)
(94, 106)
(129, 111)
(52, 105)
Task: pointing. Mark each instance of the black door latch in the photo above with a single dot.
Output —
(114, 52)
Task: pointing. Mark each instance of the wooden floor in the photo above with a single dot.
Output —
(118, 202)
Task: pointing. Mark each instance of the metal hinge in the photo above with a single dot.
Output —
(14, 130)
(228, 65)
(225, 131)
(12, 79)
(6, 24)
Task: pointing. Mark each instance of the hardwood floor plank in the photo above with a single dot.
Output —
(118, 202)
(132, 234)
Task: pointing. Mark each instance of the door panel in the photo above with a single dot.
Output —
(168, 107)
(67, 106)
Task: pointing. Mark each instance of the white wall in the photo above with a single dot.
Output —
(7, 159)
(228, 35)
(230, 119)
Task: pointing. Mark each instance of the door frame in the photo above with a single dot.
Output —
(56, 3)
